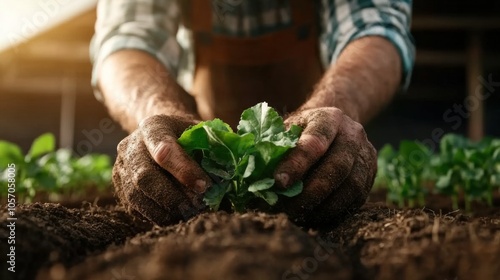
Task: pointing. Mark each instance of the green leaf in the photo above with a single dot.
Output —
(267, 157)
(288, 138)
(262, 121)
(261, 185)
(444, 181)
(387, 152)
(271, 153)
(216, 169)
(458, 155)
(451, 142)
(215, 194)
(293, 190)
(228, 147)
(270, 197)
(9, 153)
(248, 163)
(293, 133)
(238, 144)
(43, 144)
(45, 180)
(414, 152)
(495, 180)
(250, 155)
(64, 156)
(194, 138)
(495, 155)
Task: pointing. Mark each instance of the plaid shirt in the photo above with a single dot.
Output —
(154, 26)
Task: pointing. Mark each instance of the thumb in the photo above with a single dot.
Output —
(321, 127)
(167, 153)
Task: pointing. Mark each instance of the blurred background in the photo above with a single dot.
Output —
(45, 76)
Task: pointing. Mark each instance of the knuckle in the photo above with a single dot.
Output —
(140, 177)
(372, 151)
(135, 199)
(359, 130)
(164, 152)
(295, 163)
(335, 112)
(122, 146)
(151, 120)
(161, 154)
(317, 145)
(125, 195)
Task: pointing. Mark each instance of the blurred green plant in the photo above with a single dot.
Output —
(471, 168)
(461, 167)
(54, 172)
(402, 172)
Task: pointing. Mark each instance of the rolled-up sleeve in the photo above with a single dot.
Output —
(348, 20)
(146, 25)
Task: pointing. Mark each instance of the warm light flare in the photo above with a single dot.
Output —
(20, 20)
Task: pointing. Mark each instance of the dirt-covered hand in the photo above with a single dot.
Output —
(154, 177)
(336, 162)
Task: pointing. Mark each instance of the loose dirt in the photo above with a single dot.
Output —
(376, 242)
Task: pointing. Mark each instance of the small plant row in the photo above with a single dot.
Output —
(47, 171)
(460, 168)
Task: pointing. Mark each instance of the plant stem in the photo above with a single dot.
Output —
(411, 203)
(489, 196)
(467, 203)
(421, 199)
(238, 207)
(466, 196)
(454, 201)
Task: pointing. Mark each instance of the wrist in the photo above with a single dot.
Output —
(338, 94)
(166, 104)
(362, 80)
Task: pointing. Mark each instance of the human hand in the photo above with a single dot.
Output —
(336, 162)
(154, 177)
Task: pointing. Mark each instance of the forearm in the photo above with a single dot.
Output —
(135, 86)
(362, 81)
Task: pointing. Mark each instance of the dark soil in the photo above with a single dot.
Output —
(48, 234)
(377, 242)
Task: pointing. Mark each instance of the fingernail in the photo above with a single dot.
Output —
(283, 179)
(201, 186)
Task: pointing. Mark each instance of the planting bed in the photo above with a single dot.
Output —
(376, 242)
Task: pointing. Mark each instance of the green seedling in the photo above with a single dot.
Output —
(460, 168)
(55, 172)
(402, 172)
(471, 168)
(242, 162)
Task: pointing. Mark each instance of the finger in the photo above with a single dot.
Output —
(319, 133)
(166, 152)
(146, 188)
(345, 199)
(352, 193)
(151, 179)
(331, 171)
(148, 208)
(160, 186)
(131, 197)
(328, 174)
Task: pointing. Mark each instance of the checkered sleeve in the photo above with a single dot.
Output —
(146, 25)
(347, 20)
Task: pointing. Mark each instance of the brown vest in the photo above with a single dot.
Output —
(234, 73)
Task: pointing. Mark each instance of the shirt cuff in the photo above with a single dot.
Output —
(403, 43)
